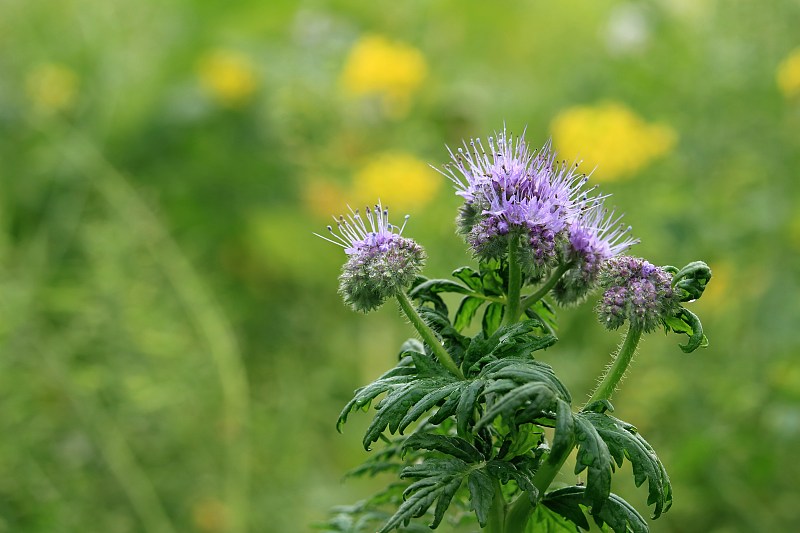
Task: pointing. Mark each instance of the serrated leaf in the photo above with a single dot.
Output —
(466, 311)
(516, 340)
(426, 403)
(401, 374)
(439, 479)
(505, 471)
(593, 456)
(427, 365)
(618, 514)
(525, 371)
(543, 520)
(446, 444)
(400, 400)
(528, 436)
(481, 492)
(564, 435)
(466, 406)
(470, 277)
(492, 317)
(624, 442)
(536, 396)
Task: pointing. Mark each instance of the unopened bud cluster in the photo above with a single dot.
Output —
(380, 261)
(636, 291)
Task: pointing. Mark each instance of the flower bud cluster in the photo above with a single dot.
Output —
(381, 262)
(636, 291)
(509, 190)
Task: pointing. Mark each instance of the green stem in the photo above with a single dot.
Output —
(544, 289)
(497, 512)
(514, 281)
(520, 511)
(428, 335)
(616, 371)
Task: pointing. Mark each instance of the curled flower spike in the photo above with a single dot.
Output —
(380, 260)
(511, 190)
(593, 238)
(636, 291)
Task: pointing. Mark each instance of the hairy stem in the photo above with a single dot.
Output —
(514, 281)
(616, 371)
(428, 335)
(544, 289)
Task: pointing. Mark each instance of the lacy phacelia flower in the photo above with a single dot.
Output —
(636, 291)
(380, 261)
(593, 238)
(511, 190)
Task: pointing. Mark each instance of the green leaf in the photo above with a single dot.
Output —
(492, 317)
(564, 435)
(593, 455)
(455, 343)
(466, 406)
(624, 442)
(438, 481)
(466, 311)
(401, 374)
(535, 397)
(618, 514)
(525, 371)
(470, 277)
(527, 437)
(517, 340)
(684, 321)
(543, 520)
(481, 492)
(446, 444)
(545, 313)
(492, 279)
(435, 286)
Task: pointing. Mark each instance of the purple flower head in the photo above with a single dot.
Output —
(592, 238)
(511, 189)
(636, 291)
(380, 261)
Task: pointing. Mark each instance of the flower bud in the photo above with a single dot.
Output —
(381, 262)
(636, 291)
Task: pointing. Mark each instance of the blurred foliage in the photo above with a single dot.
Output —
(165, 163)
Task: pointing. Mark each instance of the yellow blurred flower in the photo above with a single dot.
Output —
(611, 137)
(51, 87)
(788, 75)
(230, 77)
(399, 180)
(210, 515)
(390, 70)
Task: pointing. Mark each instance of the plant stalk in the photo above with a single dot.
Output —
(520, 511)
(513, 309)
(616, 371)
(428, 335)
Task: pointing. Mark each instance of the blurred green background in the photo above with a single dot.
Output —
(173, 353)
